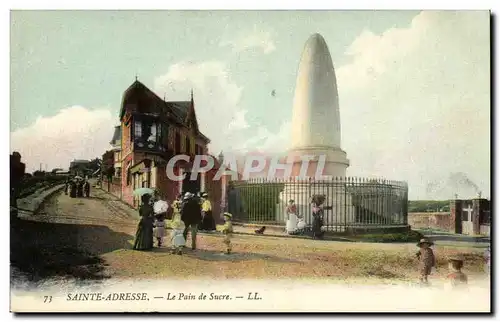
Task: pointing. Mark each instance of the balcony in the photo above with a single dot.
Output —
(142, 145)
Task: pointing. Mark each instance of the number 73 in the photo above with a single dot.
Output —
(47, 299)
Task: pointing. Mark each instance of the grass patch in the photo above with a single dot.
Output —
(409, 237)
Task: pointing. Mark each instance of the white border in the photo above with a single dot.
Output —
(186, 4)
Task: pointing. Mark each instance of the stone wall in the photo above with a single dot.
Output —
(113, 187)
(434, 220)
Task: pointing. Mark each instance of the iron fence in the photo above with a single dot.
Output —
(348, 201)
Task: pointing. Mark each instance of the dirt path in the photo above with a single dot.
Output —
(92, 239)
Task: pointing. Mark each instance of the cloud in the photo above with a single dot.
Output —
(238, 122)
(257, 38)
(217, 100)
(73, 133)
(415, 102)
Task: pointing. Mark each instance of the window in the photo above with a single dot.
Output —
(137, 129)
(153, 133)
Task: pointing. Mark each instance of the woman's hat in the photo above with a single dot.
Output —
(204, 194)
(226, 214)
(425, 241)
(291, 200)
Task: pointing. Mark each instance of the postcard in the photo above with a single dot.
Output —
(250, 161)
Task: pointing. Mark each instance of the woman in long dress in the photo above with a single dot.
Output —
(291, 213)
(317, 212)
(144, 234)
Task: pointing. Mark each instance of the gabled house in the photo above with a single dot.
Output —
(152, 132)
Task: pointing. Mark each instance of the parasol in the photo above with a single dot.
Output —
(160, 207)
(142, 191)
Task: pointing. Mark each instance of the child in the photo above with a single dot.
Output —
(227, 230)
(426, 259)
(456, 278)
(177, 238)
(301, 224)
(159, 230)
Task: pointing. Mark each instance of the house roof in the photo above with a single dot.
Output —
(180, 110)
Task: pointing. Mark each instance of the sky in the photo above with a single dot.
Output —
(414, 87)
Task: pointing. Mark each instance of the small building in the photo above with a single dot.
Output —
(78, 167)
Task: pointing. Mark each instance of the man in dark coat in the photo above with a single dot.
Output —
(191, 216)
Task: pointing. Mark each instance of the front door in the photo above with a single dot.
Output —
(189, 185)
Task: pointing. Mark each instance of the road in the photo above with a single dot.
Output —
(91, 239)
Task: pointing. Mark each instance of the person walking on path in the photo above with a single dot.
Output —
(191, 216)
(144, 234)
(426, 259)
(159, 228)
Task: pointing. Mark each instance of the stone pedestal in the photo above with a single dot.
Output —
(323, 161)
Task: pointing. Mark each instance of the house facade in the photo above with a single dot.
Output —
(116, 145)
(152, 132)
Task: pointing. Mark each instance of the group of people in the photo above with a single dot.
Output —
(295, 222)
(455, 278)
(77, 187)
(190, 213)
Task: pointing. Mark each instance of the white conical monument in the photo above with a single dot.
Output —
(316, 115)
(316, 133)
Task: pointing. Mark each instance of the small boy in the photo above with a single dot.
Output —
(426, 259)
(227, 230)
(456, 278)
